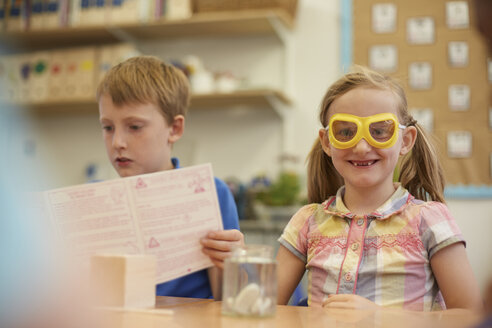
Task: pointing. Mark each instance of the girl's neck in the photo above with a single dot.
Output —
(363, 201)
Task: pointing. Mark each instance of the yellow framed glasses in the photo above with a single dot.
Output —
(380, 130)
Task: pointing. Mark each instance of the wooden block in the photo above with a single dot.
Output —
(123, 280)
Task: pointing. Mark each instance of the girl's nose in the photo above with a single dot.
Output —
(362, 147)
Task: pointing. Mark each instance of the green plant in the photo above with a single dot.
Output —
(284, 191)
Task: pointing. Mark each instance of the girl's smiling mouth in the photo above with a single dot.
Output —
(363, 163)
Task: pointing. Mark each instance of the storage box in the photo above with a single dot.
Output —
(38, 86)
(111, 55)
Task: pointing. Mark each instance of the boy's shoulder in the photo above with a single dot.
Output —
(220, 184)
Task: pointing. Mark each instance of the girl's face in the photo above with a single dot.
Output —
(137, 137)
(364, 166)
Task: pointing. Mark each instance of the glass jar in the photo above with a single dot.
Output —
(250, 282)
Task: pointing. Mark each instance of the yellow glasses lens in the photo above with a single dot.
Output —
(382, 131)
(344, 131)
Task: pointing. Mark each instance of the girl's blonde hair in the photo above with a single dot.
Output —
(147, 79)
(421, 173)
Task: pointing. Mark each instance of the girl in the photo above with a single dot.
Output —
(366, 241)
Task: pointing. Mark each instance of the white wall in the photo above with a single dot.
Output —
(63, 146)
(474, 217)
(239, 142)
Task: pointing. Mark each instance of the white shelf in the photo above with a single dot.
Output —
(214, 24)
(260, 98)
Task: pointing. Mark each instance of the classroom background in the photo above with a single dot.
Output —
(258, 70)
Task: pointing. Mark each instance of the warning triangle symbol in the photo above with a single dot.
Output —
(140, 184)
(153, 243)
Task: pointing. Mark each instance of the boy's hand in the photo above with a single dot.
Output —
(349, 301)
(218, 245)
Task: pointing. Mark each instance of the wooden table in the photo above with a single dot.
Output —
(186, 312)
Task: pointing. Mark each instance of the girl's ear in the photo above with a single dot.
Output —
(409, 137)
(177, 129)
(325, 142)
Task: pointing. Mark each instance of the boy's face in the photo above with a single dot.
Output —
(137, 137)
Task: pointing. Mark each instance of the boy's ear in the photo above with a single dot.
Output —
(409, 137)
(325, 143)
(177, 128)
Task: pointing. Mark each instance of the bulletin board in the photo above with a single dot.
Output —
(440, 102)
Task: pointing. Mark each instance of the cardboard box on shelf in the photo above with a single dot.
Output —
(131, 11)
(39, 78)
(3, 14)
(37, 15)
(16, 15)
(80, 73)
(56, 13)
(58, 76)
(111, 55)
(178, 9)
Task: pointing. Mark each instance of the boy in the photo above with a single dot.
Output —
(142, 107)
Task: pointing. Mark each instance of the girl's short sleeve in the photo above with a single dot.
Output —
(438, 227)
(295, 234)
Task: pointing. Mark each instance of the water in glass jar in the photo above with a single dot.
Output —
(250, 285)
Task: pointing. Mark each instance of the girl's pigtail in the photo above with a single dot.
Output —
(421, 173)
(323, 178)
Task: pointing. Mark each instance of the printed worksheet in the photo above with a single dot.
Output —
(164, 214)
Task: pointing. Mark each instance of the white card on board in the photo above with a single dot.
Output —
(459, 97)
(384, 18)
(383, 58)
(457, 14)
(459, 144)
(420, 75)
(420, 30)
(458, 53)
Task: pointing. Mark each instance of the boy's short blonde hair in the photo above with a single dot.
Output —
(147, 79)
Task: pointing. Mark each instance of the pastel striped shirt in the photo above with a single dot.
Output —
(384, 256)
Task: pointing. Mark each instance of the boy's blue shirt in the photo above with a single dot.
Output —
(197, 284)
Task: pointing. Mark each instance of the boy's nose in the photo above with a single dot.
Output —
(119, 140)
(362, 147)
